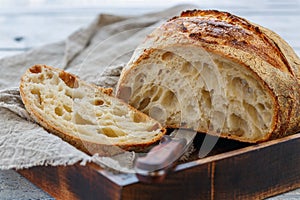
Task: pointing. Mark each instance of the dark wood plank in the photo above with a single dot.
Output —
(73, 182)
(253, 172)
(263, 171)
(249, 172)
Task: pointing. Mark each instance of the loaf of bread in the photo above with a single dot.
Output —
(216, 73)
(85, 115)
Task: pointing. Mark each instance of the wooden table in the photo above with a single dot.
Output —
(26, 24)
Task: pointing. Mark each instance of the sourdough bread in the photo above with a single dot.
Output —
(85, 115)
(216, 73)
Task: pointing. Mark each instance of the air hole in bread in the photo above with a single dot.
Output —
(37, 95)
(69, 79)
(140, 78)
(99, 114)
(158, 92)
(78, 119)
(50, 96)
(110, 132)
(67, 108)
(138, 117)
(237, 132)
(186, 67)
(108, 102)
(253, 113)
(168, 98)
(98, 102)
(55, 81)
(125, 93)
(238, 125)
(206, 99)
(239, 85)
(68, 93)
(159, 72)
(144, 103)
(35, 69)
(58, 111)
(268, 106)
(49, 76)
(67, 117)
(167, 56)
(158, 113)
(218, 117)
(261, 106)
(153, 91)
(41, 78)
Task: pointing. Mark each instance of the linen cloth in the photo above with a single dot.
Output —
(96, 53)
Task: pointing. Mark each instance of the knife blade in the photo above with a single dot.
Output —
(159, 160)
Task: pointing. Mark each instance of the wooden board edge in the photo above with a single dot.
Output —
(73, 182)
(242, 173)
(226, 155)
(255, 172)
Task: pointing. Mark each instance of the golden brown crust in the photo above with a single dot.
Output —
(223, 28)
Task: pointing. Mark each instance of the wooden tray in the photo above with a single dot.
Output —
(232, 170)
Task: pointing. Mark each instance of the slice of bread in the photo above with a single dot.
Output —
(216, 73)
(85, 115)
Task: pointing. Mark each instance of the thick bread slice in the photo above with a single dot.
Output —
(85, 115)
(216, 73)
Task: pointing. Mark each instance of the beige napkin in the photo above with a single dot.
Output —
(96, 54)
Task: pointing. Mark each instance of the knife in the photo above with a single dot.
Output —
(160, 159)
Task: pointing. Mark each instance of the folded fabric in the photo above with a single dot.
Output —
(96, 54)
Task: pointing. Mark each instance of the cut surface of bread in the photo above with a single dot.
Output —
(218, 74)
(85, 115)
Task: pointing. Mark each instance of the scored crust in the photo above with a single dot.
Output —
(85, 115)
(239, 55)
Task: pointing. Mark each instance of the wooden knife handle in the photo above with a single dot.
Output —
(161, 156)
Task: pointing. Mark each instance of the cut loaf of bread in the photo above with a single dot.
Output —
(216, 73)
(85, 115)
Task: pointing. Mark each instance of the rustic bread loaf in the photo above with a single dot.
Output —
(85, 115)
(218, 74)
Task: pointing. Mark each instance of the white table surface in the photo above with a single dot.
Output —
(25, 24)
